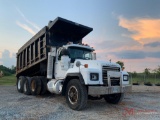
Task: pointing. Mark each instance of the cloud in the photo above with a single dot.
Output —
(117, 44)
(8, 60)
(153, 54)
(144, 30)
(28, 21)
(136, 54)
(33, 29)
(130, 54)
(27, 28)
(153, 44)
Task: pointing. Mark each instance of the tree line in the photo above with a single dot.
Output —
(7, 71)
(147, 71)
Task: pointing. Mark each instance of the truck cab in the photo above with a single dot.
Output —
(102, 79)
(67, 55)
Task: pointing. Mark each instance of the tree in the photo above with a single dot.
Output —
(8, 71)
(121, 64)
(13, 69)
(147, 71)
(154, 71)
(157, 70)
(134, 74)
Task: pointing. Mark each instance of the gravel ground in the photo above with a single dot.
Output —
(142, 103)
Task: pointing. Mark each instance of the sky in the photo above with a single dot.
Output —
(123, 30)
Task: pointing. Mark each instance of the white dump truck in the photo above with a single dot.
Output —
(56, 60)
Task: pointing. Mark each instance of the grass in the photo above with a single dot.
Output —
(142, 81)
(8, 80)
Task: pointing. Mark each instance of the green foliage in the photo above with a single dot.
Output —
(157, 70)
(147, 71)
(134, 74)
(148, 83)
(120, 63)
(8, 71)
(141, 78)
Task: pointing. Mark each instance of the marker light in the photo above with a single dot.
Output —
(86, 65)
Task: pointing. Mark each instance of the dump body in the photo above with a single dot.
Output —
(32, 56)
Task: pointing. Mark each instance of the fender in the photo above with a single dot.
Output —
(70, 76)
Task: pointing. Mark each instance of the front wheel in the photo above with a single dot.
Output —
(76, 95)
(114, 98)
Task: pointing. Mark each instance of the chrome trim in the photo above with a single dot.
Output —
(102, 90)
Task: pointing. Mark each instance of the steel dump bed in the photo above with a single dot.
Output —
(32, 56)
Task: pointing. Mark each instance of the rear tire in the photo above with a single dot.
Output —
(20, 84)
(76, 95)
(35, 85)
(114, 98)
(26, 88)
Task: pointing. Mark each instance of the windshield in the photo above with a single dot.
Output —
(79, 53)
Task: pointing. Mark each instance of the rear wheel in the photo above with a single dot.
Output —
(114, 98)
(35, 85)
(26, 88)
(76, 95)
(20, 84)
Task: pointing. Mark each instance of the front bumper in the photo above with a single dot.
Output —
(102, 90)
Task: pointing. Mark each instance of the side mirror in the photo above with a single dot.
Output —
(94, 56)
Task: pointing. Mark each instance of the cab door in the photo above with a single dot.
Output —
(61, 64)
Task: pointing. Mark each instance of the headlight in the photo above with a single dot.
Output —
(94, 76)
(125, 77)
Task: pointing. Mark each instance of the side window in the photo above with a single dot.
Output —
(63, 52)
(86, 55)
(59, 56)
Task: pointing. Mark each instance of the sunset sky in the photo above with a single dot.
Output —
(123, 30)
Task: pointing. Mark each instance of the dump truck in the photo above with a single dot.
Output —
(56, 60)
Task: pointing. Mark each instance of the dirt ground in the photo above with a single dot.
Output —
(142, 103)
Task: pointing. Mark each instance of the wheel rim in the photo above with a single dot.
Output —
(73, 95)
(33, 85)
(25, 86)
(19, 84)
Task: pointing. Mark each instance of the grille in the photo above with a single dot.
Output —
(114, 81)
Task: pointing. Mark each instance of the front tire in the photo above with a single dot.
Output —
(114, 98)
(76, 95)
